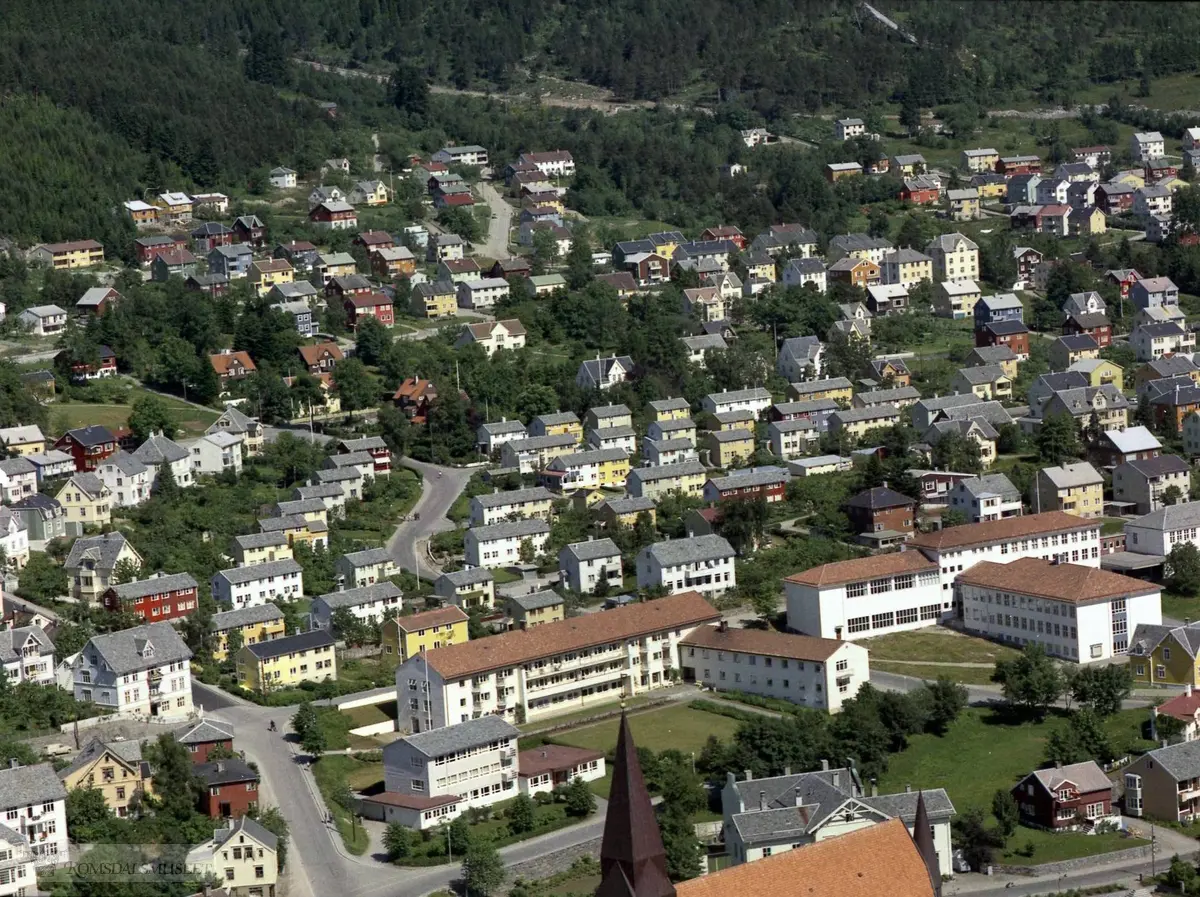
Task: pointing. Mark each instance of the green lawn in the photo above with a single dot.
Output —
(1180, 607)
(936, 644)
(681, 728)
(1051, 847)
(630, 704)
(334, 773)
(190, 420)
(982, 752)
(1111, 525)
(503, 576)
(965, 675)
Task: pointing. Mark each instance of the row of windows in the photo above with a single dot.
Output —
(737, 678)
(894, 618)
(783, 662)
(886, 584)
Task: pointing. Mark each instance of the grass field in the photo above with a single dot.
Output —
(681, 728)
(630, 704)
(936, 644)
(1051, 847)
(333, 774)
(1180, 607)
(965, 675)
(190, 420)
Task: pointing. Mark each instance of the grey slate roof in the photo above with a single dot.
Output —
(497, 428)
(629, 505)
(536, 600)
(368, 557)
(665, 471)
(364, 444)
(461, 736)
(1179, 761)
(303, 641)
(318, 490)
(349, 459)
(512, 529)
(254, 572)
(28, 785)
(688, 551)
(376, 591)
(984, 373)
(129, 751)
(250, 828)
(102, 550)
(289, 521)
(124, 650)
(593, 549)
(205, 731)
(992, 484)
(260, 540)
(513, 496)
(17, 466)
(1171, 517)
(1087, 776)
(126, 463)
(754, 393)
(13, 640)
(607, 411)
(1158, 466)
(158, 449)
(758, 476)
(155, 585)
(245, 616)
(471, 577)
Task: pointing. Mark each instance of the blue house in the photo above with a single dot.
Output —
(1001, 307)
(232, 261)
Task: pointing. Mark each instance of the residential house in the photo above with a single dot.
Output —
(730, 448)
(371, 603)
(595, 469)
(535, 608)
(503, 544)
(334, 215)
(985, 498)
(1147, 145)
(41, 517)
(87, 503)
(956, 299)
(881, 516)
(34, 803)
(370, 193)
(979, 160)
(240, 587)
(836, 171)
(602, 373)
(242, 856)
(482, 294)
(498, 506)
(887, 298)
(587, 568)
(128, 479)
(1102, 606)
(27, 655)
(1063, 798)
(856, 272)
(923, 190)
(393, 262)
(684, 477)
(23, 440)
(44, 320)
(235, 423)
(988, 382)
(161, 596)
(703, 564)
(963, 204)
(144, 671)
(1076, 488)
(1095, 326)
(230, 365)
(791, 439)
(1115, 447)
(287, 661)
(282, 178)
(755, 400)
(1144, 483)
(955, 257)
(93, 560)
(907, 267)
(229, 788)
(68, 256)
(836, 389)
(115, 769)
(361, 306)
(255, 623)
(468, 589)
(403, 636)
(857, 422)
(1067, 350)
(1152, 341)
(1013, 334)
(490, 436)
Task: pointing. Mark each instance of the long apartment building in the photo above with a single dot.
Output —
(915, 588)
(552, 669)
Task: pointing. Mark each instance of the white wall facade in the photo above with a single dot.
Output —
(868, 607)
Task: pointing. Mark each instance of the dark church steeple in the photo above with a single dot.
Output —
(923, 836)
(633, 862)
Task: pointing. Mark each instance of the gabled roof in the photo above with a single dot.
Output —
(140, 648)
(206, 731)
(246, 616)
(1070, 583)
(971, 534)
(303, 641)
(376, 591)
(879, 498)
(103, 550)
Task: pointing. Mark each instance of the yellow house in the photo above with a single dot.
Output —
(587, 499)
(987, 381)
(259, 623)
(242, 855)
(671, 409)
(730, 447)
(259, 548)
(1066, 350)
(760, 266)
(402, 637)
(116, 770)
(1100, 371)
(857, 422)
(369, 193)
(990, 186)
(724, 421)
(1074, 488)
(1159, 655)
(595, 469)
(65, 256)
(23, 440)
(963, 204)
(685, 477)
(666, 243)
(1130, 178)
(434, 300)
(528, 611)
(296, 528)
(336, 264)
(288, 661)
(559, 424)
(268, 273)
(839, 389)
(1088, 222)
(86, 501)
(625, 511)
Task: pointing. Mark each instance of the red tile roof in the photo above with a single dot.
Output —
(554, 758)
(763, 642)
(439, 616)
(873, 567)
(222, 362)
(1001, 530)
(1072, 583)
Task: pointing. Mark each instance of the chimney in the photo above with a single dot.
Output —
(543, 754)
(220, 766)
(908, 789)
(748, 774)
(723, 626)
(787, 770)
(1187, 689)
(824, 766)
(14, 763)
(797, 799)
(874, 787)
(762, 800)
(837, 631)
(730, 779)
(837, 778)
(1058, 764)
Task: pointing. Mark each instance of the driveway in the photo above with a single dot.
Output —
(438, 493)
(496, 246)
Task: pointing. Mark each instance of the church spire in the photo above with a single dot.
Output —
(633, 862)
(923, 836)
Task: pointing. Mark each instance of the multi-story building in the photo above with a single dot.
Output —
(1081, 614)
(985, 498)
(552, 669)
(1144, 482)
(402, 637)
(34, 806)
(27, 655)
(114, 769)
(1056, 799)
(522, 504)
(955, 257)
(502, 544)
(792, 438)
(1160, 531)
(583, 566)
(93, 560)
(259, 548)
(686, 478)
(755, 400)
(766, 483)
(229, 788)
(161, 596)
(857, 422)
(242, 856)
(287, 661)
(469, 589)
(535, 452)
(535, 608)
(598, 468)
(813, 672)
(240, 587)
(369, 603)
(703, 564)
(366, 567)
(143, 671)
(432, 776)
(254, 624)
(1074, 488)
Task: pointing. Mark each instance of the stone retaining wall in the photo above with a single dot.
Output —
(1133, 854)
(554, 863)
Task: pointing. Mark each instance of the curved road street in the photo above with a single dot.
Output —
(407, 544)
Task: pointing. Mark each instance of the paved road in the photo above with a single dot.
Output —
(407, 543)
(496, 246)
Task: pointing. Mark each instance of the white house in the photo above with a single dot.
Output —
(985, 498)
(216, 453)
(482, 294)
(157, 451)
(755, 400)
(792, 438)
(495, 507)
(367, 603)
(44, 320)
(499, 545)
(492, 336)
(471, 155)
(18, 479)
(1147, 145)
(601, 373)
(659, 452)
(1160, 531)
(143, 671)
(813, 672)
(584, 565)
(555, 163)
(432, 776)
(243, 855)
(1081, 614)
(33, 802)
(14, 538)
(799, 272)
(552, 669)
(701, 564)
(490, 436)
(248, 586)
(588, 469)
(282, 178)
(27, 655)
(865, 596)
(800, 359)
(127, 478)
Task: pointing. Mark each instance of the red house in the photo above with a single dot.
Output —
(335, 215)
(231, 365)
(321, 358)
(230, 788)
(250, 229)
(1013, 334)
(766, 483)
(88, 446)
(882, 516)
(368, 305)
(1124, 278)
(414, 396)
(372, 445)
(1027, 258)
(164, 596)
(648, 267)
(373, 240)
(920, 191)
(1010, 165)
(511, 267)
(147, 248)
(1096, 325)
(725, 232)
(104, 366)
(1113, 199)
(1064, 797)
(207, 735)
